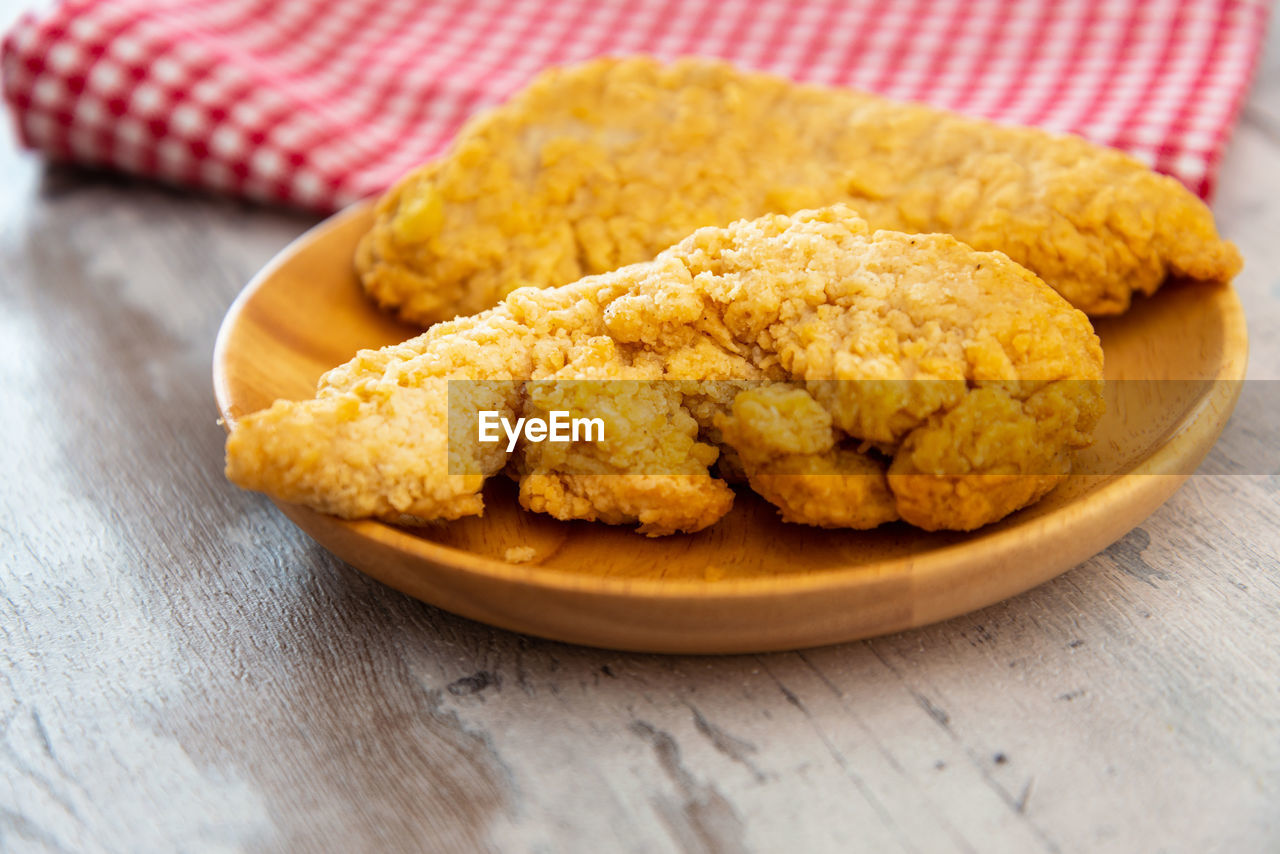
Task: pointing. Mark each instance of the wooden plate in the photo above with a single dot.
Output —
(749, 583)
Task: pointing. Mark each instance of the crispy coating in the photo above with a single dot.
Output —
(852, 377)
(605, 164)
(787, 447)
(392, 433)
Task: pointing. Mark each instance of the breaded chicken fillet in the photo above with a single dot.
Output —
(604, 164)
(855, 377)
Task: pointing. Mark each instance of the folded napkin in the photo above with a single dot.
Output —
(316, 103)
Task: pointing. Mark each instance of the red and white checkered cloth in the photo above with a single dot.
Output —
(319, 102)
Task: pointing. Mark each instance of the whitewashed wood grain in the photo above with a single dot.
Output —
(183, 671)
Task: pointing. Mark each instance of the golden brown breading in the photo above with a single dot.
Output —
(897, 337)
(607, 163)
(392, 433)
(648, 433)
(810, 347)
(786, 445)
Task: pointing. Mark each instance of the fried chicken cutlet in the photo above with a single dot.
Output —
(856, 376)
(604, 164)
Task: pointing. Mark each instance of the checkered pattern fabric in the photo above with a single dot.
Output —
(316, 103)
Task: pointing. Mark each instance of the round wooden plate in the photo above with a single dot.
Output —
(750, 582)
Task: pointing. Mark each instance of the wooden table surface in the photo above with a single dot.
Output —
(184, 671)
